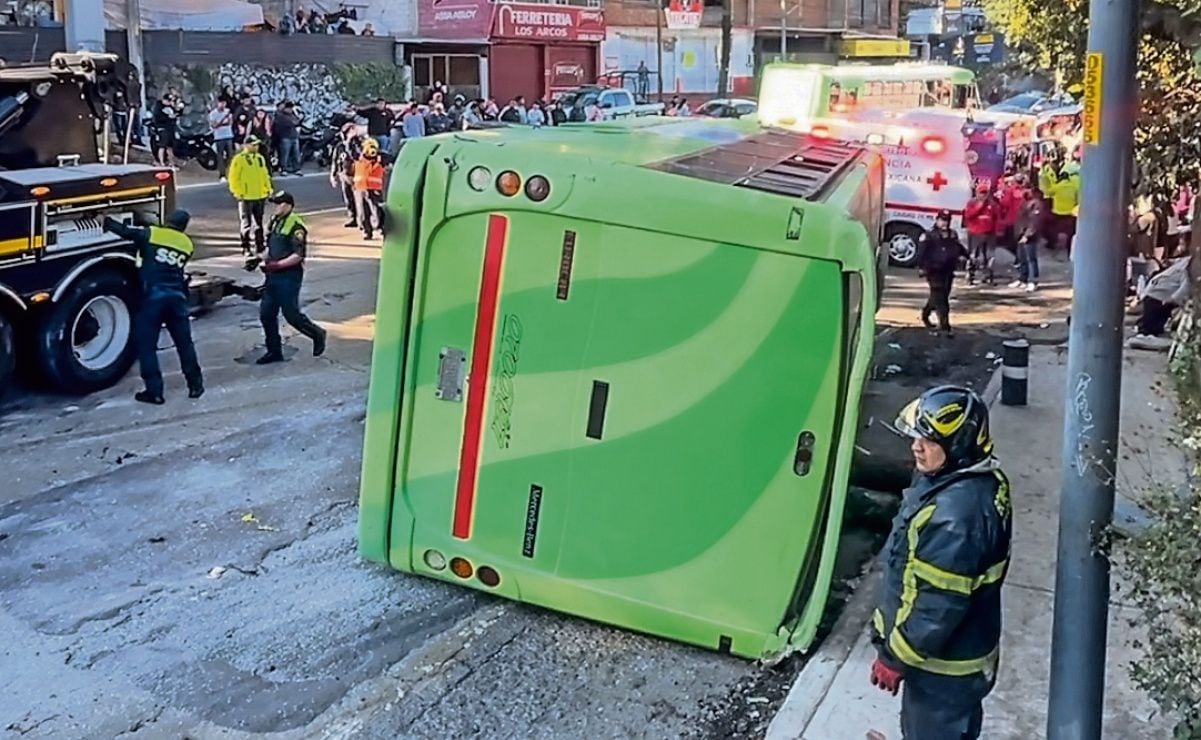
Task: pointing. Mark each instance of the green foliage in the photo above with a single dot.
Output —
(1164, 562)
(361, 83)
(1053, 36)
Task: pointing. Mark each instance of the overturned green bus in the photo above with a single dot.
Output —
(617, 370)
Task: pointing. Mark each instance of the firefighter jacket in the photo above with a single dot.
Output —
(248, 176)
(162, 254)
(940, 609)
(369, 174)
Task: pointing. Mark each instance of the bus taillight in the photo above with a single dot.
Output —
(820, 132)
(461, 568)
(537, 188)
(509, 183)
(479, 179)
(488, 576)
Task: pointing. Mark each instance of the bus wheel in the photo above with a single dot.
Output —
(902, 242)
(85, 342)
(8, 353)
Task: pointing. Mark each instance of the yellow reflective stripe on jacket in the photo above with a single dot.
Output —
(909, 577)
(878, 622)
(171, 239)
(905, 653)
(948, 581)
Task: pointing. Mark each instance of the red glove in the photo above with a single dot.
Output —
(885, 677)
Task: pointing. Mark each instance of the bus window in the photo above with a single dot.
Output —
(964, 97)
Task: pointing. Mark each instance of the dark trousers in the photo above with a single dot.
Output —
(250, 221)
(289, 154)
(170, 310)
(368, 205)
(980, 248)
(1155, 317)
(225, 152)
(939, 301)
(282, 293)
(348, 197)
(1027, 254)
(936, 709)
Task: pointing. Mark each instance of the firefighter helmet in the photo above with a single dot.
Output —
(954, 418)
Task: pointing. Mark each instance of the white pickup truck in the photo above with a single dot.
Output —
(611, 102)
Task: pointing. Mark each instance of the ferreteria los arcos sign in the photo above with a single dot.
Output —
(548, 22)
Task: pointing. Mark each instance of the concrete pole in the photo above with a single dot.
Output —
(84, 25)
(1094, 376)
(133, 40)
(783, 32)
(659, 45)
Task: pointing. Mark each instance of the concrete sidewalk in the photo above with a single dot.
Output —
(832, 698)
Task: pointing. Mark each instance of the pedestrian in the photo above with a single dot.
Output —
(456, 111)
(537, 115)
(558, 116)
(1065, 198)
(1182, 206)
(1010, 196)
(939, 252)
(243, 117)
(162, 253)
(1029, 228)
(221, 121)
(317, 23)
(437, 122)
(980, 218)
(260, 128)
(369, 188)
(412, 122)
(472, 116)
(284, 267)
(250, 184)
(368, 30)
(673, 106)
(286, 125)
(593, 113)
(341, 172)
(379, 122)
(1165, 291)
(684, 111)
(938, 626)
(345, 29)
(164, 122)
(644, 80)
(510, 114)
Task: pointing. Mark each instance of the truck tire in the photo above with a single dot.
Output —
(85, 342)
(8, 353)
(900, 239)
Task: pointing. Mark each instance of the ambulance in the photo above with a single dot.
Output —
(926, 166)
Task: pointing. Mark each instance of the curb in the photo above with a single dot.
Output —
(815, 679)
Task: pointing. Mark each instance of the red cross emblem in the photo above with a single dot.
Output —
(937, 181)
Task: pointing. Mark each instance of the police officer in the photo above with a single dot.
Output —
(284, 266)
(938, 625)
(163, 251)
(939, 252)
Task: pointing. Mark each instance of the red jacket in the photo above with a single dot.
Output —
(980, 216)
(1008, 206)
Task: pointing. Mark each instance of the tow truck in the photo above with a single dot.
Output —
(68, 290)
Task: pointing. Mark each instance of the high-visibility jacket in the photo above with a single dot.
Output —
(248, 176)
(1046, 179)
(161, 257)
(940, 610)
(1065, 196)
(368, 174)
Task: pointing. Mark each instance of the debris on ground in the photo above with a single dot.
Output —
(216, 572)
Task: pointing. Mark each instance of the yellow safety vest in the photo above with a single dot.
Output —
(169, 246)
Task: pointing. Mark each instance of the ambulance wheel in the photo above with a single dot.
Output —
(85, 341)
(902, 242)
(8, 353)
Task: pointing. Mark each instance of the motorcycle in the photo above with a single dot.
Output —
(191, 142)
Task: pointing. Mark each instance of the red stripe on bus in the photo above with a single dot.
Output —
(477, 382)
(923, 209)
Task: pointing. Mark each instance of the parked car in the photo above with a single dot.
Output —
(728, 108)
(1032, 102)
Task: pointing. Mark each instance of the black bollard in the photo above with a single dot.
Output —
(1015, 371)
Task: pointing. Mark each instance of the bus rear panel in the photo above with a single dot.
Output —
(632, 399)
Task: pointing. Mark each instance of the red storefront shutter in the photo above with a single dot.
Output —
(516, 69)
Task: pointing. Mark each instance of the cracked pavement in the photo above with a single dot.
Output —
(190, 570)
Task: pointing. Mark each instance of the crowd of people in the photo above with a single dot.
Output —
(318, 22)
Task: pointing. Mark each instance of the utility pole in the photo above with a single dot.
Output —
(659, 45)
(783, 32)
(727, 33)
(133, 42)
(1094, 389)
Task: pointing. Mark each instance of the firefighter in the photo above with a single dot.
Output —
(980, 218)
(163, 251)
(250, 184)
(341, 173)
(369, 188)
(287, 243)
(938, 625)
(939, 252)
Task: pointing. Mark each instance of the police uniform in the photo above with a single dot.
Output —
(163, 252)
(939, 619)
(287, 235)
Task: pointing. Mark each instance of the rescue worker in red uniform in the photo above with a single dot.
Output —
(980, 218)
(938, 626)
(369, 188)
